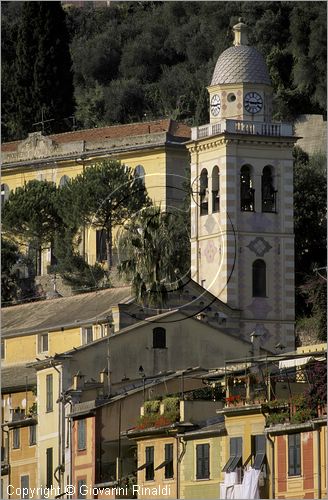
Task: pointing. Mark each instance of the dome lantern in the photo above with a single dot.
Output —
(240, 33)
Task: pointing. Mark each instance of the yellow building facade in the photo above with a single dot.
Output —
(153, 150)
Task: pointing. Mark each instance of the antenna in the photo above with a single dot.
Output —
(43, 121)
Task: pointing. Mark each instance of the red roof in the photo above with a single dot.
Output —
(176, 129)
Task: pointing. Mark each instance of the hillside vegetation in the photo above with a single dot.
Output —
(136, 61)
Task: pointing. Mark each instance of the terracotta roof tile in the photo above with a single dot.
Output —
(115, 131)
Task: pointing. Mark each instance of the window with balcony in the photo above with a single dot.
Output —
(159, 338)
(247, 193)
(215, 190)
(203, 192)
(236, 454)
(294, 454)
(268, 191)
(259, 278)
(81, 435)
(43, 343)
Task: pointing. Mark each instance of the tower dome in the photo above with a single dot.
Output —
(240, 63)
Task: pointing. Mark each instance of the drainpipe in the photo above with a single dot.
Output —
(179, 459)
(272, 466)
(59, 427)
(8, 448)
(319, 461)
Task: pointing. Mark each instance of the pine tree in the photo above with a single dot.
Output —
(43, 68)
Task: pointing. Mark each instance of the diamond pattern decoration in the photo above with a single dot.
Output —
(259, 246)
(210, 251)
(259, 308)
(210, 224)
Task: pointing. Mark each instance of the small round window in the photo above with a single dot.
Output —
(231, 97)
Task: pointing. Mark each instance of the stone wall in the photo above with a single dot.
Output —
(312, 130)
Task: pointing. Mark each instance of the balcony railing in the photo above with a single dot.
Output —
(243, 127)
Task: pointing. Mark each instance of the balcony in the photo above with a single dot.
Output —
(271, 129)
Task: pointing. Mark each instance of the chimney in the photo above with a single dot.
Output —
(78, 381)
(256, 340)
(105, 381)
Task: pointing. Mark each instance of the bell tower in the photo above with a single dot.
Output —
(242, 242)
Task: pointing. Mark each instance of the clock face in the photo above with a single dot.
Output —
(215, 105)
(253, 102)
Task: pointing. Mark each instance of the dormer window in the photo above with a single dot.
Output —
(87, 335)
(43, 343)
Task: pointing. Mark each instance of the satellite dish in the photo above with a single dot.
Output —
(23, 403)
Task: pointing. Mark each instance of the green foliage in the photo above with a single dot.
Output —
(151, 406)
(41, 77)
(310, 218)
(9, 283)
(137, 60)
(103, 196)
(30, 215)
(171, 404)
(71, 266)
(154, 252)
(277, 418)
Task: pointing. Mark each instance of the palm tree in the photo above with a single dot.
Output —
(154, 253)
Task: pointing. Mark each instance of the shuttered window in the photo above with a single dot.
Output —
(294, 455)
(49, 467)
(81, 437)
(203, 461)
(49, 398)
(149, 463)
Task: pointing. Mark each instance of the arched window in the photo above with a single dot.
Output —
(268, 191)
(259, 278)
(247, 193)
(203, 192)
(215, 189)
(159, 338)
(139, 173)
(64, 180)
(4, 193)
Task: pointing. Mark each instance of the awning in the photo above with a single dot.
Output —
(292, 363)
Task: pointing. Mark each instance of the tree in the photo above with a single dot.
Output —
(9, 257)
(30, 215)
(43, 78)
(154, 252)
(310, 211)
(72, 267)
(104, 196)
